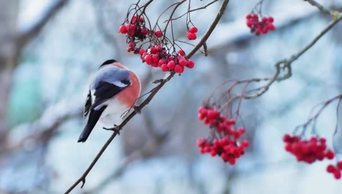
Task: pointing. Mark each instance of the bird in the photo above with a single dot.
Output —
(112, 91)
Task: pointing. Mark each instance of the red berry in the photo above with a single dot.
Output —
(287, 138)
(339, 165)
(171, 65)
(245, 143)
(134, 20)
(155, 49)
(131, 30)
(158, 33)
(190, 64)
(161, 61)
(270, 19)
(182, 61)
(155, 58)
(337, 174)
(164, 67)
(330, 154)
(123, 29)
(148, 59)
(322, 140)
(331, 168)
(179, 69)
(213, 114)
(144, 31)
(181, 52)
(131, 44)
(272, 27)
(193, 29)
(142, 51)
(201, 142)
(191, 36)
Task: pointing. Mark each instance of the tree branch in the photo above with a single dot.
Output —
(44, 127)
(285, 64)
(147, 150)
(154, 91)
(31, 33)
(320, 7)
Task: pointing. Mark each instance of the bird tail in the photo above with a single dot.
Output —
(94, 116)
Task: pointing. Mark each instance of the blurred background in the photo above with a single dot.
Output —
(49, 48)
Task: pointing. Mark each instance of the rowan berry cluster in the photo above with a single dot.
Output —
(192, 33)
(308, 151)
(226, 142)
(336, 169)
(135, 29)
(157, 56)
(156, 53)
(259, 25)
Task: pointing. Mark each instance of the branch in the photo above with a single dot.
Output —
(44, 127)
(192, 10)
(319, 6)
(236, 32)
(313, 118)
(285, 64)
(147, 150)
(31, 33)
(154, 91)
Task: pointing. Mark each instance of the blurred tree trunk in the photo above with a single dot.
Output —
(8, 59)
(12, 43)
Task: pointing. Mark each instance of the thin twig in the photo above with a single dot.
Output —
(314, 117)
(196, 9)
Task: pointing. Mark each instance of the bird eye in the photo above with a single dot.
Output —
(126, 82)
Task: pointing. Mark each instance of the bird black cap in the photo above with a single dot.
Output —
(108, 62)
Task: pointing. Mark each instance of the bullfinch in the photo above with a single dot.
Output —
(113, 90)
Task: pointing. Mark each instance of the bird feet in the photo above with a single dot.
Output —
(115, 129)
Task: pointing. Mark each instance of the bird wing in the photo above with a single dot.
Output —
(87, 105)
(102, 93)
(106, 90)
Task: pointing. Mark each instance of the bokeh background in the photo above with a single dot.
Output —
(49, 48)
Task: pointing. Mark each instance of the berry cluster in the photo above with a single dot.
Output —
(226, 143)
(135, 29)
(157, 56)
(157, 52)
(336, 170)
(192, 33)
(308, 151)
(261, 25)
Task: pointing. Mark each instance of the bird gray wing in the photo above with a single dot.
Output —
(112, 75)
(87, 104)
(106, 90)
